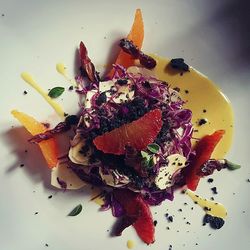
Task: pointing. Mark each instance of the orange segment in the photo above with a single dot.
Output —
(48, 147)
(136, 34)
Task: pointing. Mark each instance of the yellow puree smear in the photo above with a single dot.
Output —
(28, 78)
(210, 207)
(130, 244)
(204, 99)
(62, 69)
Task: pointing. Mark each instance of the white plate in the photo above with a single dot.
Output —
(35, 36)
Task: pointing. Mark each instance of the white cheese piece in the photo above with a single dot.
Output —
(88, 98)
(164, 178)
(113, 178)
(124, 94)
(106, 86)
(64, 173)
(174, 95)
(80, 158)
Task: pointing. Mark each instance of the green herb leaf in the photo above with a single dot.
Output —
(145, 155)
(151, 162)
(232, 166)
(56, 92)
(148, 163)
(77, 210)
(154, 148)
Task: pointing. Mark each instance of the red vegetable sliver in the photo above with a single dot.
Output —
(204, 150)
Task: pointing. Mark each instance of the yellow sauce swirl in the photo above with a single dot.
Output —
(210, 207)
(204, 99)
(28, 78)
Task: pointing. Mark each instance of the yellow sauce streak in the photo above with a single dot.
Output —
(201, 94)
(28, 78)
(210, 207)
(62, 69)
(130, 244)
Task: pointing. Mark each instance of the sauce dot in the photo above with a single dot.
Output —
(130, 244)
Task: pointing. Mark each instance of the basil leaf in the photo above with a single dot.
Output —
(232, 166)
(151, 162)
(148, 163)
(77, 210)
(145, 155)
(154, 148)
(56, 92)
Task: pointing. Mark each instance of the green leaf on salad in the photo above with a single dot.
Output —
(145, 155)
(56, 92)
(232, 166)
(151, 162)
(148, 163)
(77, 210)
(153, 147)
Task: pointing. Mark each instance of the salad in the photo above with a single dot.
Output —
(132, 138)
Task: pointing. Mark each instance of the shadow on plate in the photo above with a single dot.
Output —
(35, 165)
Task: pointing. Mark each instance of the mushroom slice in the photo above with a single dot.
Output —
(62, 173)
(81, 153)
(164, 178)
(113, 178)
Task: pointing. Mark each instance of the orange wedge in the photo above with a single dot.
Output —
(48, 147)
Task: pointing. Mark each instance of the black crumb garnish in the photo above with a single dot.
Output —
(25, 92)
(170, 218)
(202, 121)
(180, 210)
(155, 222)
(122, 82)
(204, 110)
(207, 209)
(185, 203)
(243, 212)
(188, 223)
(168, 228)
(170, 247)
(192, 208)
(71, 87)
(186, 91)
(65, 114)
(71, 120)
(21, 165)
(178, 63)
(3, 15)
(248, 180)
(214, 190)
(46, 245)
(36, 213)
(195, 202)
(210, 180)
(196, 244)
(49, 197)
(212, 198)
(177, 89)
(102, 98)
(215, 222)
